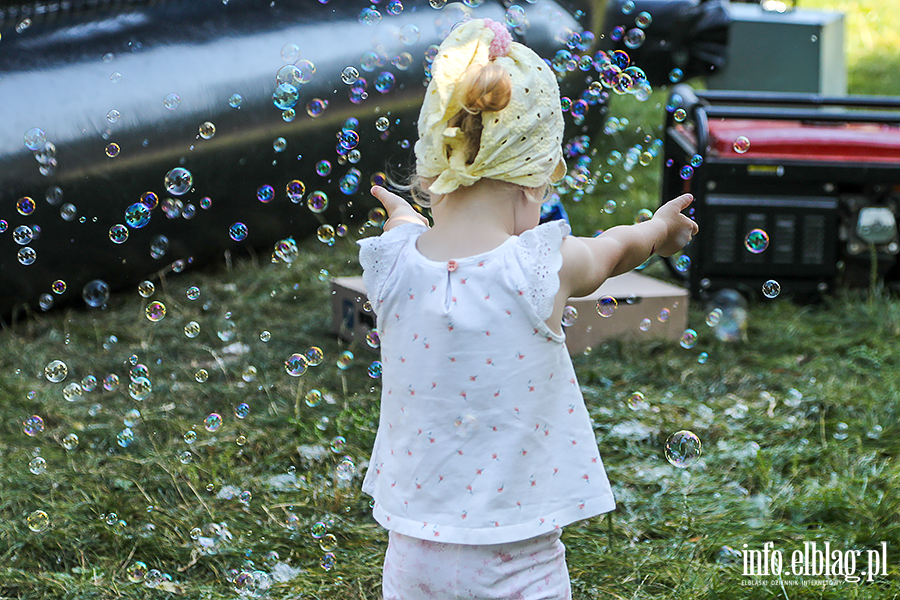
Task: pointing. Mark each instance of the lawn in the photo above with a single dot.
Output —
(233, 478)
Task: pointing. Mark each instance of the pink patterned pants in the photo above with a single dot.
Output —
(532, 569)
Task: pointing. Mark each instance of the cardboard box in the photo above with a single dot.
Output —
(637, 296)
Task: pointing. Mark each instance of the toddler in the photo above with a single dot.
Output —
(485, 449)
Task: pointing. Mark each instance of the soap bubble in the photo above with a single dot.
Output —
(606, 306)
(132, 418)
(394, 7)
(35, 138)
(146, 289)
(287, 250)
(345, 359)
(201, 376)
(634, 38)
(683, 449)
(159, 245)
(279, 144)
(676, 75)
(193, 292)
(369, 16)
(644, 325)
(37, 465)
(192, 329)
(95, 293)
(315, 356)
(22, 235)
(73, 392)
(348, 139)
(137, 215)
(325, 234)
(178, 181)
(245, 497)
(25, 206)
(295, 190)
(438, 4)
(265, 193)
(155, 311)
(242, 410)
(235, 100)
(318, 530)
(27, 255)
(118, 234)
(285, 96)
(313, 398)
(628, 7)
(125, 437)
(111, 382)
(756, 241)
(323, 168)
(290, 52)
(741, 144)
(712, 319)
(329, 560)
(688, 338)
(384, 82)
(190, 436)
(375, 369)
(237, 232)
(683, 263)
(38, 521)
(328, 543)
(409, 35)
(373, 338)
(265, 336)
(686, 172)
(350, 75)
(296, 365)
(140, 388)
(172, 101)
(33, 425)
(771, 288)
(643, 20)
(569, 316)
(382, 123)
(515, 16)
(136, 571)
(317, 201)
(338, 443)
(249, 374)
(696, 160)
(207, 130)
(664, 315)
(212, 422)
(316, 107)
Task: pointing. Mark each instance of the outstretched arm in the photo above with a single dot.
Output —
(399, 210)
(588, 262)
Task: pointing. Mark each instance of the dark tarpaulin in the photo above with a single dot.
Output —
(690, 35)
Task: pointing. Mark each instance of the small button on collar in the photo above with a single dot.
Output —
(452, 265)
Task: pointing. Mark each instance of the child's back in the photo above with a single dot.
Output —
(484, 445)
(484, 436)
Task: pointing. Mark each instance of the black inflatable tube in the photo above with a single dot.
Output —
(58, 66)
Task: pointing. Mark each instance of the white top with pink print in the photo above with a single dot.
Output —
(483, 437)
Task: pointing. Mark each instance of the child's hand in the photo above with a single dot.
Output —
(680, 229)
(399, 210)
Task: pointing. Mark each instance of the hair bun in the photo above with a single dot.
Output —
(487, 89)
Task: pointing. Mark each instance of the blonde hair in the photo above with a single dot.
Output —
(485, 88)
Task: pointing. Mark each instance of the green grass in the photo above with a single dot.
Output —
(799, 425)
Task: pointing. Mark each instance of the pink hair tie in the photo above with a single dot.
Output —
(502, 39)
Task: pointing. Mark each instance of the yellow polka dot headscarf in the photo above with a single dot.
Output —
(520, 144)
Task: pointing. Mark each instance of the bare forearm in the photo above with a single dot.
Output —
(636, 243)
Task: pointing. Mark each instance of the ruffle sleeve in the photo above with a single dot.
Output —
(378, 256)
(537, 252)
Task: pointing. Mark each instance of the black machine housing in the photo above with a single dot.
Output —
(827, 196)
